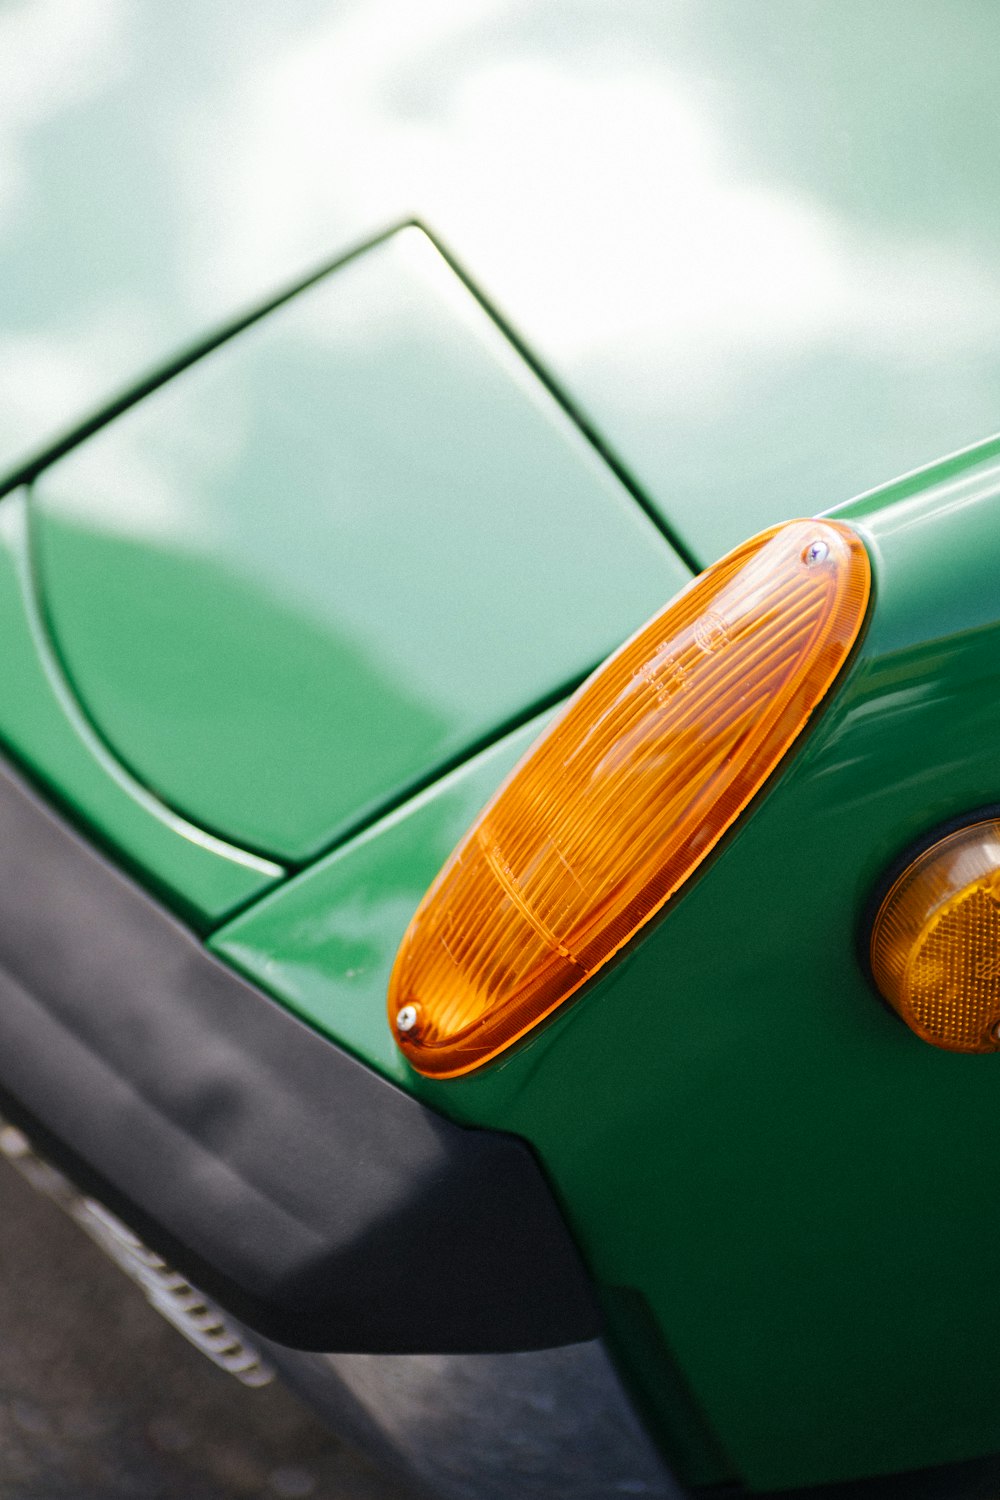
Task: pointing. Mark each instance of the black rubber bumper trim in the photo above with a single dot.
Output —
(965, 1479)
(320, 1204)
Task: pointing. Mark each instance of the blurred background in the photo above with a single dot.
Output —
(100, 1399)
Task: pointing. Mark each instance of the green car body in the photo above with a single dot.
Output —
(280, 615)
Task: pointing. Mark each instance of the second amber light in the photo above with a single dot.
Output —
(936, 941)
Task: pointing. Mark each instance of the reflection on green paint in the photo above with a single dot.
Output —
(756, 243)
(42, 727)
(349, 545)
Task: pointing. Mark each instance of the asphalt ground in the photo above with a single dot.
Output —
(100, 1399)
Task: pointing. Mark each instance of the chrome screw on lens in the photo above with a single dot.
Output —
(816, 552)
(406, 1018)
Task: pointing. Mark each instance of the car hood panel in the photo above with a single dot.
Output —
(349, 545)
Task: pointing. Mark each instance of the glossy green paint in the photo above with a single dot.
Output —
(736, 1125)
(758, 243)
(323, 945)
(43, 728)
(343, 549)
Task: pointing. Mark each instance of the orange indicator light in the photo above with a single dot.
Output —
(936, 942)
(626, 794)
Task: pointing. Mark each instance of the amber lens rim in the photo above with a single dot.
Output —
(917, 853)
(897, 868)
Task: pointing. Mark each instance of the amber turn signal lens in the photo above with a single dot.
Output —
(936, 942)
(626, 794)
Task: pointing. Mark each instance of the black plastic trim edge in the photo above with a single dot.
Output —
(321, 1205)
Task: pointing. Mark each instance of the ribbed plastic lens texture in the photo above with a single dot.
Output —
(936, 942)
(626, 793)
